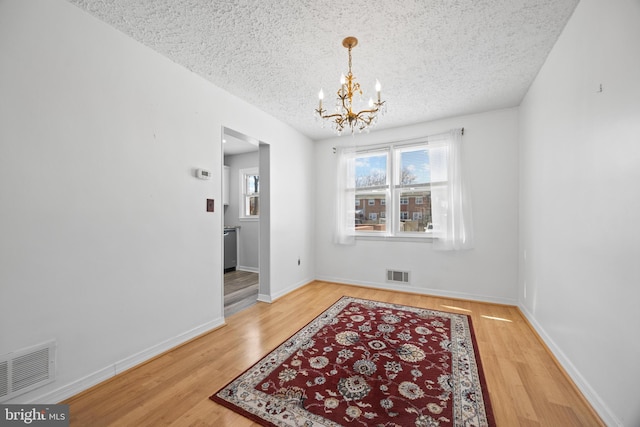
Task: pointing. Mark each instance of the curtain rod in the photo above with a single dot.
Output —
(372, 147)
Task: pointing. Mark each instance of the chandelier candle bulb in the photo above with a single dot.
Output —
(378, 88)
(321, 97)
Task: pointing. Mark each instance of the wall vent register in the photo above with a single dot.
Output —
(27, 369)
(397, 276)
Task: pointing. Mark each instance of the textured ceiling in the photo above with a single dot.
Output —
(434, 58)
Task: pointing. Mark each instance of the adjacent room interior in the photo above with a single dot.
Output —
(241, 204)
(172, 207)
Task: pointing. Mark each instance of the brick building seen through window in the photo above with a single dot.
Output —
(414, 215)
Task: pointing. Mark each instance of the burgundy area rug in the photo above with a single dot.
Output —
(368, 363)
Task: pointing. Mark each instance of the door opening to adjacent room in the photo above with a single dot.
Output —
(246, 205)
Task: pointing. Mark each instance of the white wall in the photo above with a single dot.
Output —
(248, 234)
(580, 203)
(106, 245)
(292, 216)
(488, 272)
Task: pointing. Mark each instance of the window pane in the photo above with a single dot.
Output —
(415, 214)
(253, 184)
(439, 157)
(252, 206)
(371, 170)
(250, 186)
(414, 166)
(370, 212)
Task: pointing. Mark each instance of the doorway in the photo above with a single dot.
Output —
(246, 213)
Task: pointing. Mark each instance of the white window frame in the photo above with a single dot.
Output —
(244, 195)
(392, 214)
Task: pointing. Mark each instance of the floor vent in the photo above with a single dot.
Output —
(397, 276)
(26, 370)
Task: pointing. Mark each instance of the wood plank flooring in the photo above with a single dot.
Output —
(238, 280)
(526, 386)
(240, 291)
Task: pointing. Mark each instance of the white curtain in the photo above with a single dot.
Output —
(450, 204)
(345, 197)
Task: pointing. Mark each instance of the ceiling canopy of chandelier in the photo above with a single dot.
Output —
(345, 113)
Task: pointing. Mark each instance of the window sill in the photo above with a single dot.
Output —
(387, 238)
(253, 218)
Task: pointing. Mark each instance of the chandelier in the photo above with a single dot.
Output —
(345, 114)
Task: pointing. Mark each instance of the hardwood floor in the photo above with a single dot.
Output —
(240, 291)
(526, 386)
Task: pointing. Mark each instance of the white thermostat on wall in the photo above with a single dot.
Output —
(203, 174)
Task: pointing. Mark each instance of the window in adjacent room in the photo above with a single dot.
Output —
(250, 187)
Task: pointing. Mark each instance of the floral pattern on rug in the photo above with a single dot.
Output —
(366, 363)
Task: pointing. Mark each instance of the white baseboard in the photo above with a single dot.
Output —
(249, 269)
(265, 298)
(283, 292)
(583, 385)
(419, 290)
(274, 296)
(120, 366)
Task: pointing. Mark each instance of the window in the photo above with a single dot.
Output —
(371, 182)
(396, 182)
(420, 186)
(413, 183)
(250, 193)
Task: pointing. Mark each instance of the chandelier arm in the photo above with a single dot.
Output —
(346, 107)
(366, 111)
(331, 115)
